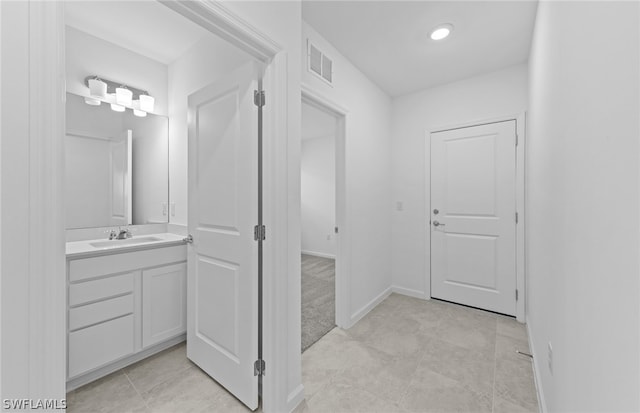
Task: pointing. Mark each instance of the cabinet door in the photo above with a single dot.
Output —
(163, 303)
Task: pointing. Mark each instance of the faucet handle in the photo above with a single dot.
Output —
(112, 233)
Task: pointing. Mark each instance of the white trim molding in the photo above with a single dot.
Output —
(542, 403)
(217, 19)
(364, 310)
(343, 247)
(409, 292)
(520, 119)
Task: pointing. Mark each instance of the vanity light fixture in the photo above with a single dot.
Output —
(441, 32)
(119, 95)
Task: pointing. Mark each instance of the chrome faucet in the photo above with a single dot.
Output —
(113, 234)
(124, 233)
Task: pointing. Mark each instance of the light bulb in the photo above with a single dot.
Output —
(117, 108)
(123, 96)
(441, 32)
(146, 103)
(139, 113)
(92, 101)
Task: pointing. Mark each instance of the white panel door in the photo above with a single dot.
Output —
(473, 206)
(222, 285)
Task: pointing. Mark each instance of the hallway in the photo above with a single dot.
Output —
(410, 355)
(407, 355)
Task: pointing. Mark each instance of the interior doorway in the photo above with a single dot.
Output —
(473, 224)
(317, 222)
(322, 202)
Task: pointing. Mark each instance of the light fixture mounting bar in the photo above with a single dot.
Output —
(111, 86)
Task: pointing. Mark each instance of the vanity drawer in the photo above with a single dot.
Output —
(89, 314)
(98, 345)
(88, 291)
(85, 268)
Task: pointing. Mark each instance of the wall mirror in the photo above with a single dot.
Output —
(117, 166)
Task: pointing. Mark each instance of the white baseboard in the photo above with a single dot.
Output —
(536, 373)
(409, 292)
(319, 254)
(355, 317)
(295, 398)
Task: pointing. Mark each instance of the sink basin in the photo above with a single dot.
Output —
(114, 243)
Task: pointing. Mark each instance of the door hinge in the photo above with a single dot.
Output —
(259, 233)
(259, 367)
(516, 295)
(258, 98)
(516, 217)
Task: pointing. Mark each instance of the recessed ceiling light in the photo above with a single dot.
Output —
(441, 31)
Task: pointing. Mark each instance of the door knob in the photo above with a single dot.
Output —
(437, 224)
(436, 212)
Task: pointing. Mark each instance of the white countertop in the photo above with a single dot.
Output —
(104, 246)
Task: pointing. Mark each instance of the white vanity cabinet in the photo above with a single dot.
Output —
(164, 303)
(122, 307)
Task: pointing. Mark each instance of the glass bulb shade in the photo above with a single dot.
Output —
(123, 96)
(97, 88)
(92, 101)
(139, 113)
(117, 108)
(146, 103)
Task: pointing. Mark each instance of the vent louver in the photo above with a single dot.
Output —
(319, 63)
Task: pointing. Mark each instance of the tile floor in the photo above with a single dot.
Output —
(407, 355)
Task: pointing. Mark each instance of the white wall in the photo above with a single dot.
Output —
(483, 97)
(89, 55)
(199, 66)
(318, 196)
(582, 203)
(368, 183)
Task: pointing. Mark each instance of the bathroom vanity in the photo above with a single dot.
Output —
(126, 300)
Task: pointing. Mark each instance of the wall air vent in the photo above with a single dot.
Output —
(319, 64)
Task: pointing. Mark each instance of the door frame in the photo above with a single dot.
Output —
(520, 119)
(343, 262)
(42, 288)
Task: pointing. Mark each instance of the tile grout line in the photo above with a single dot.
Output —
(136, 389)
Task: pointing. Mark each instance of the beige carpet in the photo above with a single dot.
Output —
(318, 298)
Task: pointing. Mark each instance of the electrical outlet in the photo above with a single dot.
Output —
(399, 206)
(550, 357)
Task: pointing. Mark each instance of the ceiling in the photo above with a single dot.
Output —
(140, 26)
(316, 123)
(389, 40)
